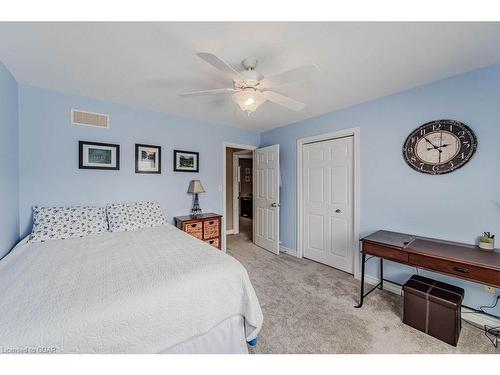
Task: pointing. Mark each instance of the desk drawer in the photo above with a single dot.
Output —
(463, 271)
(385, 252)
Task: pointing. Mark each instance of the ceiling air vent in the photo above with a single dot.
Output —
(85, 118)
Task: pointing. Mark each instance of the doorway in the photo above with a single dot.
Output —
(263, 200)
(242, 193)
(238, 194)
(328, 199)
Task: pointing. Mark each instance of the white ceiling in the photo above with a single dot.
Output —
(147, 64)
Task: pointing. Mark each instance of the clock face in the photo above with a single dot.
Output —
(439, 147)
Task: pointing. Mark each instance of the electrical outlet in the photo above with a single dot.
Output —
(489, 289)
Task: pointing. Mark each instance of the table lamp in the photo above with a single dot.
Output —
(195, 187)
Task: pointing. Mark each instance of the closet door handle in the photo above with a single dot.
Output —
(338, 211)
(461, 269)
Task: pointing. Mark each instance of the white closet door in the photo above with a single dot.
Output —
(266, 197)
(328, 202)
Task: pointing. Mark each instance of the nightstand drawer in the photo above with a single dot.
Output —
(195, 229)
(211, 228)
(214, 242)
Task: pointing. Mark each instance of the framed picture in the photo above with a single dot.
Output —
(147, 159)
(248, 178)
(186, 161)
(94, 155)
(248, 170)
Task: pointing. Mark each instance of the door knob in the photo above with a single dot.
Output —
(274, 204)
(338, 210)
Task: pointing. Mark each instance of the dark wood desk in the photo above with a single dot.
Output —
(450, 258)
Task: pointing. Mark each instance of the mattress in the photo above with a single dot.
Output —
(141, 291)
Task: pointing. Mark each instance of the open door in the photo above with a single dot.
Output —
(266, 197)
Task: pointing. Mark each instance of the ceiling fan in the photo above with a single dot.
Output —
(250, 88)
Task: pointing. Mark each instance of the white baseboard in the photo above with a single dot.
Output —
(229, 231)
(390, 287)
(479, 320)
(287, 250)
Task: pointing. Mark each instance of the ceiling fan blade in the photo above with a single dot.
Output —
(285, 101)
(207, 92)
(302, 73)
(220, 65)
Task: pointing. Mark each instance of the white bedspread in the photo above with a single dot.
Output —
(126, 292)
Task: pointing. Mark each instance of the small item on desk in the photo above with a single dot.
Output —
(487, 241)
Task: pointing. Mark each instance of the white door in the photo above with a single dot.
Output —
(266, 197)
(327, 178)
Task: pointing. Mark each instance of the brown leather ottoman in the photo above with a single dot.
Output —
(433, 307)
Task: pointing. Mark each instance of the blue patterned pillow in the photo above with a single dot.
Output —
(131, 216)
(58, 223)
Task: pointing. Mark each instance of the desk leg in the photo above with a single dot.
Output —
(380, 285)
(362, 291)
(381, 273)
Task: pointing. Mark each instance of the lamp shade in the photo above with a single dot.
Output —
(195, 187)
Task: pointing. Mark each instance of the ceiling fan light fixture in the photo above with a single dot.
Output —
(249, 100)
(247, 84)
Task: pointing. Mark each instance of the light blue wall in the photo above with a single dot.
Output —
(49, 173)
(456, 206)
(9, 186)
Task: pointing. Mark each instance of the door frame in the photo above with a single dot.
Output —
(236, 163)
(355, 133)
(225, 145)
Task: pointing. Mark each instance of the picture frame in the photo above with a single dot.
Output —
(147, 159)
(97, 155)
(186, 161)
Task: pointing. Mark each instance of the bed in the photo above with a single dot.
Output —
(151, 290)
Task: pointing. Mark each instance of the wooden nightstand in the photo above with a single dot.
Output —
(206, 227)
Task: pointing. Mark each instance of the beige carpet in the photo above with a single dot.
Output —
(309, 308)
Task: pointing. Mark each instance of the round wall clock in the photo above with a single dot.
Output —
(439, 147)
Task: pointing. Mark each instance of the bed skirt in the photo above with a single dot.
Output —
(227, 337)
